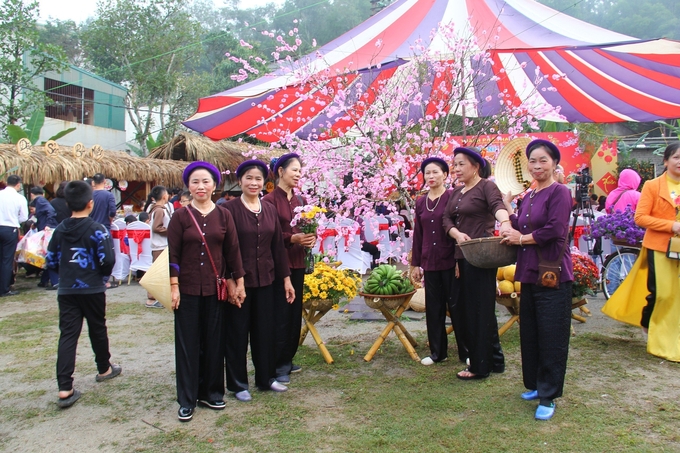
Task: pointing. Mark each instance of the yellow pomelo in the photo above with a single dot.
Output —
(509, 272)
(499, 273)
(506, 287)
(518, 287)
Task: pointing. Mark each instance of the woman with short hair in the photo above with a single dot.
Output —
(540, 229)
(432, 258)
(471, 213)
(264, 260)
(199, 235)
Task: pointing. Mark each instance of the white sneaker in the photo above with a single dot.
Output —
(467, 361)
(427, 361)
(277, 387)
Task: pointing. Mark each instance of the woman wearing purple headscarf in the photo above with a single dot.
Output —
(199, 233)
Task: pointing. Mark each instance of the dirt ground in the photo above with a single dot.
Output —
(142, 342)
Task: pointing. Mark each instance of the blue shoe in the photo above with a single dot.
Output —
(530, 395)
(545, 412)
(283, 379)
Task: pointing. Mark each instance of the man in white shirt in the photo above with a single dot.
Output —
(13, 211)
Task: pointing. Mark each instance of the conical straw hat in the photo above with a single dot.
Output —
(512, 167)
(157, 280)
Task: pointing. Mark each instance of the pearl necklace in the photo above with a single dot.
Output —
(204, 213)
(259, 210)
(536, 190)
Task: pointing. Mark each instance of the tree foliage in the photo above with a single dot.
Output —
(644, 19)
(23, 58)
(151, 47)
(64, 34)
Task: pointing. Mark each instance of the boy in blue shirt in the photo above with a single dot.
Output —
(81, 251)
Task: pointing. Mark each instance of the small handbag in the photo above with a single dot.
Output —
(673, 251)
(222, 290)
(549, 272)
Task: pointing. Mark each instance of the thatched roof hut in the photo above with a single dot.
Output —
(224, 154)
(39, 168)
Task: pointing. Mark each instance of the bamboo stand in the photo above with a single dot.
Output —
(391, 314)
(312, 311)
(512, 305)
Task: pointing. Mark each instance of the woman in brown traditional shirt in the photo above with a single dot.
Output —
(199, 316)
(471, 213)
(288, 171)
(432, 254)
(264, 260)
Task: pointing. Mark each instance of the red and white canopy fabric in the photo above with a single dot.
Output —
(604, 76)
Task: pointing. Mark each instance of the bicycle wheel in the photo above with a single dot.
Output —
(615, 269)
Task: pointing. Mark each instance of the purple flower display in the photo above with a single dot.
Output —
(618, 226)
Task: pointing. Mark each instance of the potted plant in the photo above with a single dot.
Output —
(586, 276)
(326, 283)
(620, 227)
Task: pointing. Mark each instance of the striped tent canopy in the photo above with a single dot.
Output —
(597, 75)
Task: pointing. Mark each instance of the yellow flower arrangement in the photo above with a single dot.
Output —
(326, 282)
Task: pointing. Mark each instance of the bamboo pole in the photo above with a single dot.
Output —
(319, 342)
(504, 328)
(399, 330)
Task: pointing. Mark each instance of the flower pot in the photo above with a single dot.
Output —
(391, 302)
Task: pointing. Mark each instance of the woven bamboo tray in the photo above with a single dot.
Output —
(509, 302)
(392, 302)
(318, 304)
(488, 253)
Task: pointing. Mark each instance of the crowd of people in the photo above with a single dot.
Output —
(248, 241)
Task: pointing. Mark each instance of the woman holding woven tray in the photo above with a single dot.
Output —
(264, 260)
(472, 212)
(287, 170)
(540, 229)
(202, 242)
(653, 279)
(432, 256)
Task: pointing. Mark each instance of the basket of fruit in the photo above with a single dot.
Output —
(488, 253)
(387, 287)
(508, 289)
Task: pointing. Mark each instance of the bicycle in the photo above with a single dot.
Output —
(616, 267)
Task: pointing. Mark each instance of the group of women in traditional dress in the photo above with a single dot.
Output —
(445, 218)
(250, 242)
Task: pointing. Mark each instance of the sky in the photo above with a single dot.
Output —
(79, 10)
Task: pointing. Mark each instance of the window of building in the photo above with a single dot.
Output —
(70, 102)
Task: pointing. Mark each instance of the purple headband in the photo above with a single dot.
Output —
(434, 160)
(554, 151)
(282, 160)
(200, 164)
(250, 163)
(473, 154)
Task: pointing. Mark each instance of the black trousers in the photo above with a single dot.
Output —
(474, 294)
(289, 322)
(9, 237)
(199, 349)
(72, 309)
(437, 300)
(544, 331)
(255, 317)
(373, 250)
(651, 287)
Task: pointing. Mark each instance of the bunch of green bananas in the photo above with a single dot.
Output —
(385, 280)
